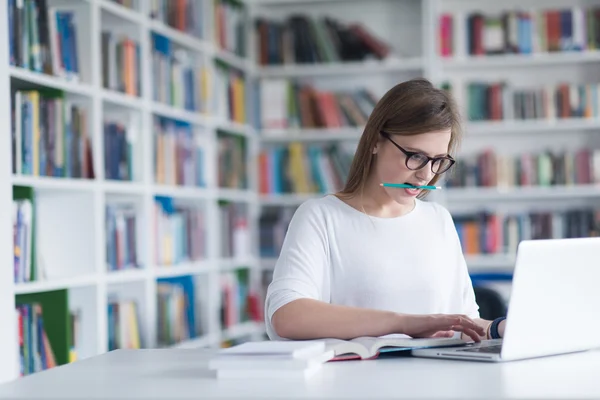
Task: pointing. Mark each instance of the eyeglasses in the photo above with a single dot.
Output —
(416, 160)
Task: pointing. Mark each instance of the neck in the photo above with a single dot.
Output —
(376, 202)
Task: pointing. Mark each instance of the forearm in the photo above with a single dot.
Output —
(309, 319)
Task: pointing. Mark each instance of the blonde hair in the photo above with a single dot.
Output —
(409, 108)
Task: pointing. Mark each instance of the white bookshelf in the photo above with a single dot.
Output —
(8, 335)
(410, 26)
(72, 211)
(421, 58)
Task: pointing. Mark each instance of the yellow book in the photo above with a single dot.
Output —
(34, 98)
(297, 167)
(134, 331)
(206, 85)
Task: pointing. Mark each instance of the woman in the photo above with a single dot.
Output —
(373, 260)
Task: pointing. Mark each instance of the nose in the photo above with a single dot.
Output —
(425, 174)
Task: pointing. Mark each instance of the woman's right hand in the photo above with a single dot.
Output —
(430, 325)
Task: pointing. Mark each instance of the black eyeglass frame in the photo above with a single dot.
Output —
(409, 154)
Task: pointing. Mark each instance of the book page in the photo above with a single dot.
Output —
(345, 347)
(374, 344)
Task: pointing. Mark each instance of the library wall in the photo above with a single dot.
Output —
(158, 150)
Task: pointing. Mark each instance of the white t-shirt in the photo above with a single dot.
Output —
(337, 254)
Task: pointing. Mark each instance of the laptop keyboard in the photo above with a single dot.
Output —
(495, 349)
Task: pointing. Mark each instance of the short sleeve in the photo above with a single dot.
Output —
(302, 269)
(463, 281)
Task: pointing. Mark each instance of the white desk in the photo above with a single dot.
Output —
(174, 374)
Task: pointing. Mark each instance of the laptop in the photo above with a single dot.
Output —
(554, 306)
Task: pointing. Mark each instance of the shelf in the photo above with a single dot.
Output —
(530, 126)
(181, 38)
(236, 195)
(287, 199)
(123, 187)
(233, 60)
(188, 268)
(342, 68)
(121, 11)
(55, 284)
(311, 135)
(121, 99)
(520, 60)
(230, 264)
(235, 128)
(50, 81)
(183, 192)
(522, 193)
(269, 263)
(51, 183)
(243, 329)
(165, 110)
(202, 341)
(126, 275)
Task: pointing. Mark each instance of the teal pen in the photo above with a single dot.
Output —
(406, 185)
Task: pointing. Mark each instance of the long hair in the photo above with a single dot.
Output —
(409, 108)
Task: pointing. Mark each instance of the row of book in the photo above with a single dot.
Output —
(121, 64)
(234, 230)
(176, 310)
(521, 31)
(498, 101)
(50, 135)
(121, 237)
(42, 38)
(26, 267)
(301, 39)
(232, 162)
(240, 301)
(300, 168)
(231, 100)
(22, 220)
(35, 350)
(179, 232)
(273, 226)
(180, 78)
(123, 325)
(291, 104)
(48, 331)
(179, 155)
(546, 168)
(500, 233)
(184, 15)
(230, 26)
(118, 150)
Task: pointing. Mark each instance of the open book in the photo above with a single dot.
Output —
(371, 347)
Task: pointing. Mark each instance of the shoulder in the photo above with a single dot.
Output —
(435, 210)
(319, 206)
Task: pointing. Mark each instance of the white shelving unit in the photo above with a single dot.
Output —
(409, 26)
(8, 335)
(74, 209)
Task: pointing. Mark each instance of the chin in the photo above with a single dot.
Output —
(401, 197)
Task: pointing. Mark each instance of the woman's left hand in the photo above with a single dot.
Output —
(483, 323)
